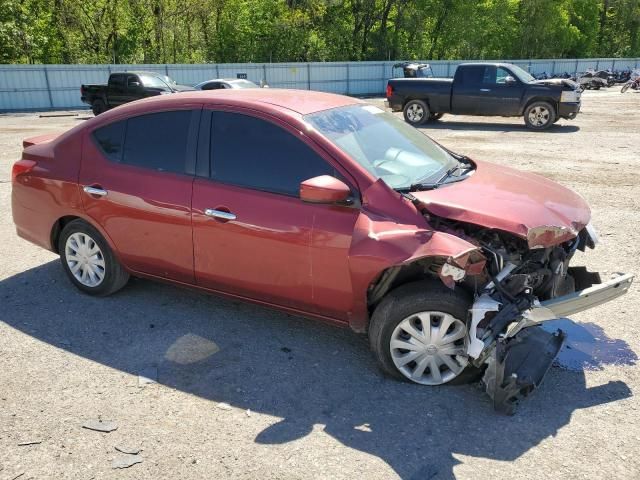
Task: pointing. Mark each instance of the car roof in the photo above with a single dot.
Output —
(497, 64)
(302, 102)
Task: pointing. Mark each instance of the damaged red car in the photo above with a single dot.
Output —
(325, 206)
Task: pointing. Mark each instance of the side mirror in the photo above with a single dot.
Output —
(324, 189)
(134, 84)
(509, 80)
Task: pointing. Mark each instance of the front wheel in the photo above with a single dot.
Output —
(625, 87)
(419, 334)
(539, 115)
(88, 261)
(416, 112)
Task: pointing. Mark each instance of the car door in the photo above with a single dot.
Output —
(116, 89)
(137, 176)
(466, 93)
(499, 97)
(252, 234)
(134, 90)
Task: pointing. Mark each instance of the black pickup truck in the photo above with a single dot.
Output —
(126, 87)
(490, 89)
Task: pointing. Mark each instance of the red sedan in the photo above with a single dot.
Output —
(325, 206)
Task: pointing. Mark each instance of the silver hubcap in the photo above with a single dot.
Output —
(429, 347)
(85, 259)
(539, 116)
(415, 112)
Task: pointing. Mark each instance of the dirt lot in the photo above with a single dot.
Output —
(246, 392)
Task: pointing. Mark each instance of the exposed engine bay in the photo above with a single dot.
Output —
(521, 285)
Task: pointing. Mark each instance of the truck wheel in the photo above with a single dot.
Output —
(419, 334)
(98, 107)
(436, 116)
(88, 261)
(416, 112)
(539, 115)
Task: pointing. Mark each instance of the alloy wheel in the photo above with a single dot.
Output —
(539, 116)
(415, 113)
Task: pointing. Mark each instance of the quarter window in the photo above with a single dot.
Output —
(157, 141)
(253, 153)
(110, 139)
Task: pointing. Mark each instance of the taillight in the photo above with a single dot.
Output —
(21, 167)
(389, 91)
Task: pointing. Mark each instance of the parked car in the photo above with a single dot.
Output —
(222, 83)
(125, 87)
(490, 89)
(325, 206)
(414, 70)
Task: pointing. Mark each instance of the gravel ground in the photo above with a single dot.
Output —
(247, 392)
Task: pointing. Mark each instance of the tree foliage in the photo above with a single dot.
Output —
(194, 31)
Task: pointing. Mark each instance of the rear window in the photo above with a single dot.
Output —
(157, 141)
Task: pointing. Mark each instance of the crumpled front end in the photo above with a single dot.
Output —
(524, 282)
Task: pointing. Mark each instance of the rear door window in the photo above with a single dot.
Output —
(472, 75)
(157, 141)
(116, 80)
(257, 154)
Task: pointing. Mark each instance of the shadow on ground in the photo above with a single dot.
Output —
(447, 124)
(301, 371)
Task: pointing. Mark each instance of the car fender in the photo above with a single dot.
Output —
(398, 236)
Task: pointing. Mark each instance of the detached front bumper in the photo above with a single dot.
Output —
(518, 359)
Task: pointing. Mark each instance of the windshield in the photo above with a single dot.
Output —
(153, 82)
(521, 74)
(243, 84)
(387, 147)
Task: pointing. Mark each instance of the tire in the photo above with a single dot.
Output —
(98, 107)
(625, 87)
(435, 116)
(416, 112)
(406, 302)
(104, 273)
(539, 115)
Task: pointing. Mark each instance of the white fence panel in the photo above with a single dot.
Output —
(42, 87)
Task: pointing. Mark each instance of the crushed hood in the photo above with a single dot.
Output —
(541, 211)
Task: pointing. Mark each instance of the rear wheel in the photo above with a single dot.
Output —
(416, 112)
(419, 334)
(98, 107)
(88, 261)
(539, 115)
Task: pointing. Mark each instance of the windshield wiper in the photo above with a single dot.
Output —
(421, 186)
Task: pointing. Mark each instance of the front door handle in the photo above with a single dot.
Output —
(485, 89)
(221, 214)
(95, 191)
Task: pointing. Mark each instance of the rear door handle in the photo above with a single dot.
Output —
(95, 191)
(485, 89)
(221, 214)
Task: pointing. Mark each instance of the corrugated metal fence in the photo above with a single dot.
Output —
(42, 87)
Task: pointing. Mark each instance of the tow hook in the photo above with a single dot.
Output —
(518, 364)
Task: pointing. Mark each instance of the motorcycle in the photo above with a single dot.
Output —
(633, 83)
